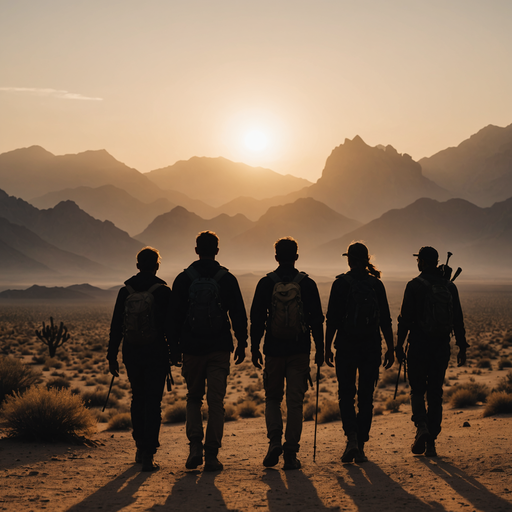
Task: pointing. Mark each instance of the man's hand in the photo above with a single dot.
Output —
(319, 358)
(389, 359)
(257, 359)
(239, 354)
(461, 356)
(113, 367)
(400, 354)
(329, 357)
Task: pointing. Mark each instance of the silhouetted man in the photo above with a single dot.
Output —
(357, 313)
(286, 308)
(205, 294)
(140, 320)
(430, 311)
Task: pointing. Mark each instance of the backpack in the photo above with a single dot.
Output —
(437, 317)
(139, 326)
(206, 315)
(362, 315)
(287, 314)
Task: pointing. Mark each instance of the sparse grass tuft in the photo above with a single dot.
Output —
(464, 398)
(248, 409)
(175, 413)
(479, 390)
(58, 383)
(42, 414)
(230, 413)
(121, 421)
(15, 376)
(498, 402)
(329, 411)
(505, 362)
(505, 383)
(309, 412)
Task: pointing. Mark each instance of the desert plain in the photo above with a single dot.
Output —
(473, 471)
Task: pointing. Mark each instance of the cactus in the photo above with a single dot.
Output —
(53, 336)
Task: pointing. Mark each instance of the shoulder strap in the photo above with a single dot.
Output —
(423, 281)
(154, 287)
(274, 276)
(192, 273)
(220, 274)
(299, 277)
(130, 289)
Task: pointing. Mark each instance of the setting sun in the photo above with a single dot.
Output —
(256, 140)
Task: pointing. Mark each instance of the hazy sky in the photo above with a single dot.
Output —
(158, 81)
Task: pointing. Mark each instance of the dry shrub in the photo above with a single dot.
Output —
(121, 421)
(463, 398)
(309, 412)
(58, 383)
(330, 411)
(378, 410)
(393, 405)
(484, 363)
(175, 413)
(481, 391)
(42, 414)
(498, 402)
(248, 409)
(505, 383)
(387, 377)
(505, 362)
(230, 413)
(15, 376)
(98, 397)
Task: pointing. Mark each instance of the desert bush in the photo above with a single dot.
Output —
(248, 409)
(393, 405)
(15, 376)
(378, 410)
(309, 412)
(329, 411)
(463, 398)
(121, 421)
(175, 413)
(498, 402)
(388, 377)
(505, 362)
(98, 397)
(484, 363)
(58, 383)
(479, 390)
(505, 383)
(42, 414)
(230, 413)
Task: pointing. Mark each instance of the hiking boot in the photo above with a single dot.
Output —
(290, 460)
(147, 462)
(275, 449)
(195, 457)
(422, 437)
(212, 463)
(431, 449)
(361, 456)
(351, 450)
(138, 456)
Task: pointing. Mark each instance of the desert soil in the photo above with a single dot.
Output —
(473, 471)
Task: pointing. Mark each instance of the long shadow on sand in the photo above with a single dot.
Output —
(469, 488)
(296, 493)
(116, 495)
(189, 493)
(372, 489)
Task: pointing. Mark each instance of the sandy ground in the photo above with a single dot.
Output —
(473, 471)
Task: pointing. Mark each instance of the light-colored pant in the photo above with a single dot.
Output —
(295, 370)
(206, 372)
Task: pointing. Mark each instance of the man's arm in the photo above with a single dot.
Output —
(238, 317)
(116, 333)
(405, 321)
(316, 321)
(258, 314)
(386, 326)
(458, 326)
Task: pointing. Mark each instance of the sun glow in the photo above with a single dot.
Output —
(256, 141)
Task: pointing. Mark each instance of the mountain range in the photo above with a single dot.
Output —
(89, 214)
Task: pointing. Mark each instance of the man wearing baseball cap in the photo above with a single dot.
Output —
(430, 313)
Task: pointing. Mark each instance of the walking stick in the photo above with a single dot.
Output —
(170, 380)
(108, 394)
(316, 409)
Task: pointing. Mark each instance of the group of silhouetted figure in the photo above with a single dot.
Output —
(192, 326)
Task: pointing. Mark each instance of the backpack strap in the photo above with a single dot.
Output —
(422, 280)
(220, 274)
(154, 287)
(130, 289)
(192, 273)
(274, 277)
(299, 277)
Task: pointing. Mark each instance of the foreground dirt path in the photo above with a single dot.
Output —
(473, 473)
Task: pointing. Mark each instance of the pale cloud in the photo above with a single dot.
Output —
(55, 93)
